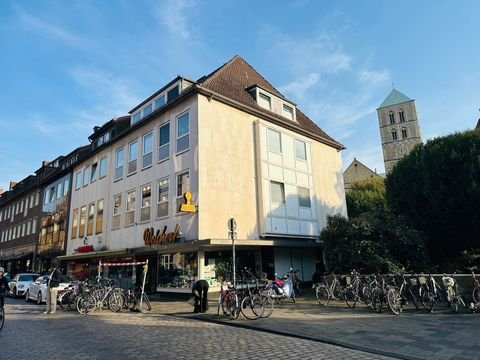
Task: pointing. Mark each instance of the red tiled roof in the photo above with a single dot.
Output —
(234, 77)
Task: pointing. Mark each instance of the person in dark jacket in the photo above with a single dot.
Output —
(3, 286)
(52, 289)
(200, 293)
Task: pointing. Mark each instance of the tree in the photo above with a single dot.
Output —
(437, 187)
(366, 195)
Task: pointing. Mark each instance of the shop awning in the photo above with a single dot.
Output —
(94, 254)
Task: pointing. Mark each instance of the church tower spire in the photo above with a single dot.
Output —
(399, 127)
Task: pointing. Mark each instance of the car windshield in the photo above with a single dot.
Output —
(26, 277)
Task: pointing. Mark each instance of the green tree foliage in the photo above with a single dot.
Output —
(374, 241)
(366, 195)
(437, 187)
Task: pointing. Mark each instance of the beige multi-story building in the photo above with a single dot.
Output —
(399, 127)
(162, 183)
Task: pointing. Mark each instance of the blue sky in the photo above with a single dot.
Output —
(66, 66)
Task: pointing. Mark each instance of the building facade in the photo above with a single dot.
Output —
(399, 127)
(357, 171)
(195, 154)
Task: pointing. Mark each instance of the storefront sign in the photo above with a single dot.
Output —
(161, 237)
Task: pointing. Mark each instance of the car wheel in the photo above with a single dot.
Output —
(39, 298)
(27, 296)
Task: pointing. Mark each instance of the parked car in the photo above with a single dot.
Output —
(20, 283)
(37, 290)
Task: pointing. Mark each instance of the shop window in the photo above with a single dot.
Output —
(130, 210)
(177, 270)
(91, 216)
(83, 218)
(117, 211)
(162, 204)
(99, 224)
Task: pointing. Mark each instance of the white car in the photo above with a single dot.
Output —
(19, 284)
(37, 290)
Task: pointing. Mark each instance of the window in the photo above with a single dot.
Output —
(402, 116)
(160, 102)
(37, 198)
(34, 225)
(300, 150)
(23, 228)
(304, 197)
(119, 157)
(136, 117)
(183, 185)
(99, 224)
(277, 192)
(392, 117)
(274, 141)
(172, 94)
(91, 215)
(287, 112)
(83, 218)
(183, 129)
(29, 227)
(86, 175)
(147, 150)
(162, 205)
(404, 133)
(146, 202)
(59, 190)
(164, 142)
(94, 174)
(47, 197)
(103, 167)
(21, 205)
(147, 110)
(264, 101)
(117, 211)
(394, 134)
(132, 157)
(66, 186)
(32, 199)
(130, 213)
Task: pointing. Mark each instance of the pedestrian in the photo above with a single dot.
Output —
(3, 286)
(52, 289)
(200, 294)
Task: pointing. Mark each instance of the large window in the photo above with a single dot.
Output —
(132, 157)
(47, 197)
(119, 158)
(300, 150)
(147, 150)
(304, 197)
(94, 174)
(117, 211)
(91, 217)
(78, 180)
(162, 199)
(164, 142)
(59, 190)
(66, 187)
(146, 202)
(274, 141)
(86, 175)
(99, 222)
(264, 101)
(103, 167)
(277, 192)
(130, 212)
(183, 185)
(183, 131)
(83, 218)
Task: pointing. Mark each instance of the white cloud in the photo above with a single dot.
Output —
(298, 87)
(173, 14)
(39, 27)
(374, 78)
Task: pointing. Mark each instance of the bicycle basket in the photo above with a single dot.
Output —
(413, 281)
(422, 280)
(348, 280)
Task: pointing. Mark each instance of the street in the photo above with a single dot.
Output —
(28, 333)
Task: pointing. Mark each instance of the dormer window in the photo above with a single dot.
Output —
(264, 101)
(147, 110)
(160, 102)
(136, 117)
(287, 112)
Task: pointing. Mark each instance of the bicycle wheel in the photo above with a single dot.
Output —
(476, 296)
(394, 301)
(427, 298)
(412, 297)
(252, 307)
(116, 301)
(230, 306)
(377, 299)
(86, 303)
(337, 291)
(350, 297)
(2, 317)
(367, 295)
(322, 295)
(267, 306)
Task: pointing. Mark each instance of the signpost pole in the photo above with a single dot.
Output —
(232, 225)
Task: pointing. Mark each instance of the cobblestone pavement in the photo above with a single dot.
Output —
(412, 335)
(28, 333)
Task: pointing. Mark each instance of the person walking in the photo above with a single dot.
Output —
(200, 293)
(3, 286)
(52, 289)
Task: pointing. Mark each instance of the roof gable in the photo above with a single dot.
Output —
(395, 97)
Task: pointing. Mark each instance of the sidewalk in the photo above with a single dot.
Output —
(412, 335)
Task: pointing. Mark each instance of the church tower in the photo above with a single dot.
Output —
(399, 128)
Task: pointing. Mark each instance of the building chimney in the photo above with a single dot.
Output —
(12, 185)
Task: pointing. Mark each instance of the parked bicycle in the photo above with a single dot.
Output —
(326, 290)
(228, 301)
(475, 305)
(401, 293)
(353, 289)
(454, 293)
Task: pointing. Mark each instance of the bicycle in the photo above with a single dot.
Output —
(251, 306)
(429, 292)
(475, 305)
(351, 292)
(325, 291)
(398, 296)
(228, 301)
(453, 291)
(134, 297)
(2, 311)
